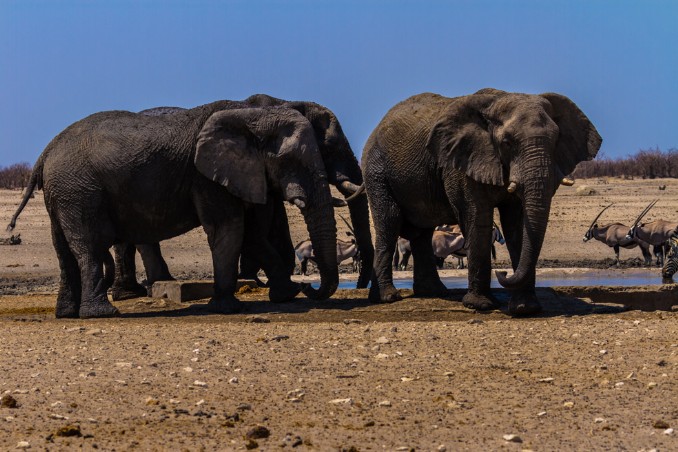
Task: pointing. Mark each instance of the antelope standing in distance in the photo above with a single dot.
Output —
(447, 240)
(346, 249)
(655, 233)
(614, 236)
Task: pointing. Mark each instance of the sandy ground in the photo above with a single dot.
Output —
(420, 374)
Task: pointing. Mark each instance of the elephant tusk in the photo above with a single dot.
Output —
(299, 203)
(567, 182)
(349, 186)
(358, 192)
(512, 187)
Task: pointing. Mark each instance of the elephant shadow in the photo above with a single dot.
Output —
(357, 304)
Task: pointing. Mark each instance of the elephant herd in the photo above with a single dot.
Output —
(130, 180)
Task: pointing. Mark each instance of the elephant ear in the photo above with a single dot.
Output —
(460, 139)
(578, 140)
(227, 153)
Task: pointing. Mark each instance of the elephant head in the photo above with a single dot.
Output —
(253, 150)
(526, 144)
(341, 165)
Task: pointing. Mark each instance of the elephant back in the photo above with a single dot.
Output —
(407, 125)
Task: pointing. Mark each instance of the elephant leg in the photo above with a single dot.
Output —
(68, 298)
(279, 235)
(387, 219)
(396, 260)
(426, 280)
(89, 243)
(266, 226)
(281, 287)
(523, 301)
(154, 263)
(477, 234)
(223, 219)
(125, 285)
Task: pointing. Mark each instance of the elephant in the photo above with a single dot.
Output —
(437, 160)
(343, 171)
(123, 177)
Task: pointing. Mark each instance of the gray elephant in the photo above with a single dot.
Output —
(270, 222)
(125, 177)
(436, 160)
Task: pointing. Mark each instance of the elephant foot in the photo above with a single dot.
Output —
(434, 289)
(480, 302)
(387, 295)
(67, 310)
(225, 305)
(98, 309)
(126, 292)
(523, 304)
(281, 293)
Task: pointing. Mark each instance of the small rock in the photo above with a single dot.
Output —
(7, 401)
(406, 379)
(296, 395)
(279, 338)
(23, 445)
(441, 448)
(152, 401)
(199, 383)
(244, 407)
(541, 413)
(660, 424)
(188, 369)
(200, 402)
(233, 380)
(381, 356)
(258, 432)
(599, 420)
(58, 417)
(668, 431)
(258, 319)
(651, 384)
(250, 444)
(546, 380)
(69, 430)
(475, 322)
(513, 438)
(568, 404)
(383, 340)
(603, 352)
(385, 403)
(348, 401)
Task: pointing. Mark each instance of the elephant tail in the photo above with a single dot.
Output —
(35, 181)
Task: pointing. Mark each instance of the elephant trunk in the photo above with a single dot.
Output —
(537, 188)
(322, 229)
(360, 219)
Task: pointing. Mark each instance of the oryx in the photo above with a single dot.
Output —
(655, 233)
(614, 236)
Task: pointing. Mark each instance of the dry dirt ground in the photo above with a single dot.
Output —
(422, 374)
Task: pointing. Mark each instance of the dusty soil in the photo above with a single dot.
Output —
(423, 374)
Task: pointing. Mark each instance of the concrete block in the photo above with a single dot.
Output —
(190, 290)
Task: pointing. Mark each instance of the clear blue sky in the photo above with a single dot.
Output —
(63, 60)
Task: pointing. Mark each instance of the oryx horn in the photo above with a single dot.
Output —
(645, 211)
(598, 216)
